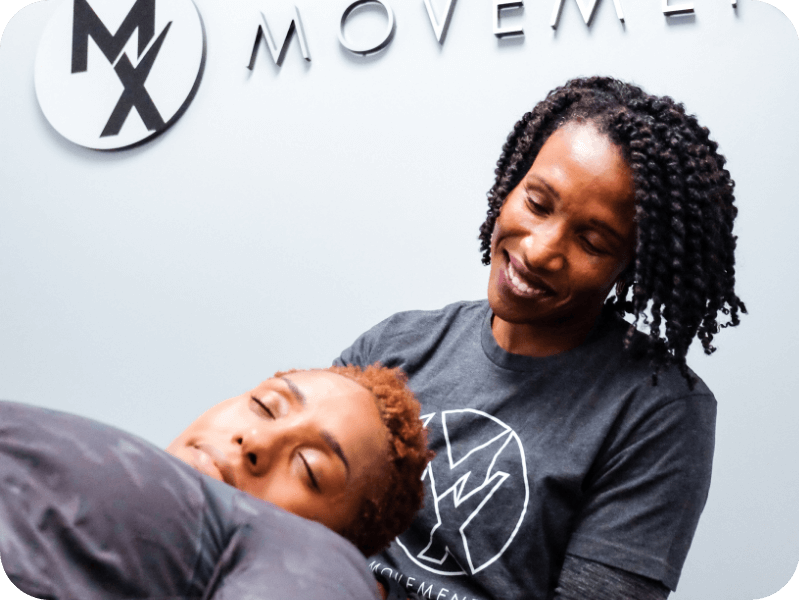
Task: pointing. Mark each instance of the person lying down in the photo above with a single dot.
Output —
(243, 504)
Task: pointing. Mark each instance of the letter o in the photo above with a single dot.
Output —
(387, 38)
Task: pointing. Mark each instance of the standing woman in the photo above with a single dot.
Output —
(573, 451)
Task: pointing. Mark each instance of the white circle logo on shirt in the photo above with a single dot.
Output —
(477, 493)
(112, 74)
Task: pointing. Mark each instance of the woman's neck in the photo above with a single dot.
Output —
(539, 340)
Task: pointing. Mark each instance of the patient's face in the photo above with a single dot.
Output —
(312, 443)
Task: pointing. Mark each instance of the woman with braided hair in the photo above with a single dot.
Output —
(573, 450)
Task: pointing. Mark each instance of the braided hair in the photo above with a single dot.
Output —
(682, 273)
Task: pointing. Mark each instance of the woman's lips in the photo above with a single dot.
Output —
(524, 283)
(210, 460)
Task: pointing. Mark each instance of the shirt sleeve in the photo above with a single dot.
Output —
(643, 497)
(585, 579)
(361, 351)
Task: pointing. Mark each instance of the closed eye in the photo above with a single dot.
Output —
(263, 407)
(535, 207)
(312, 478)
(592, 248)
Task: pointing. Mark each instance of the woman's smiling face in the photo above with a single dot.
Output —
(311, 442)
(564, 234)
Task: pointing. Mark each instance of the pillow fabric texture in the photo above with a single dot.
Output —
(89, 512)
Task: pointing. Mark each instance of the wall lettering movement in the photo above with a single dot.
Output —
(112, 74)
(440, 22)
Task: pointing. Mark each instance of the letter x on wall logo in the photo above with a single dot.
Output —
(112, 74)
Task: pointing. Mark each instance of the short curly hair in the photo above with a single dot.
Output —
(682, 273)
(397, 496)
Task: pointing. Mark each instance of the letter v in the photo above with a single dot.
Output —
(440, 27)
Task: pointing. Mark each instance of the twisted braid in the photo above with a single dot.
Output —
(682, 275)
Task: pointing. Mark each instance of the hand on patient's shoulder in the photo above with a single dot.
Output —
(113, 516)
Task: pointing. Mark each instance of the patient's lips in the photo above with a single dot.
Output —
(212, 461)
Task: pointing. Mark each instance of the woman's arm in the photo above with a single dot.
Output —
(583, 579)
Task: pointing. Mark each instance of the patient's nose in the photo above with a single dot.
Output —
(256, 449)
(261, 444)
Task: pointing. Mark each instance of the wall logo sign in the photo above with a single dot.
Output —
(440, 22)
(112, 74)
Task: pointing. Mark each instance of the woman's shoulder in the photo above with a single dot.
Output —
(417, 324)
(412, 332)
(464, 310)
(630, 352)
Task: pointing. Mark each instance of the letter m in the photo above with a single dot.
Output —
(279, 53)
(86, 24)
(587, 12)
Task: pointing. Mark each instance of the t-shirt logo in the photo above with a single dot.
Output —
(477, 492)
(113, 73)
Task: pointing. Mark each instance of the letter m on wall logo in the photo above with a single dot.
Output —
(141, 18)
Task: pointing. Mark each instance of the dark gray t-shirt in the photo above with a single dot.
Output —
(88, 512)
(575, 453)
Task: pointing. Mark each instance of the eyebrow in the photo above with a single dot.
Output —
(299, 396)
(544, 184)
(337, 449)
(327, 437)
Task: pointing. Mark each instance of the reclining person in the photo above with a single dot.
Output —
(90, 512)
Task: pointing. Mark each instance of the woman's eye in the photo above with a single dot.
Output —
(310, 472)
(261, 407)
(593, 248)
(535, 207)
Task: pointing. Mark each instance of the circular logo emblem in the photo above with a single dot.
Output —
(476, 494)
(112, 74)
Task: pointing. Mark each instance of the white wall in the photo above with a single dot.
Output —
(291, 208)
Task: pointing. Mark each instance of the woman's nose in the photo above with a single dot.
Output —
(543, 248)
(259, 445)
